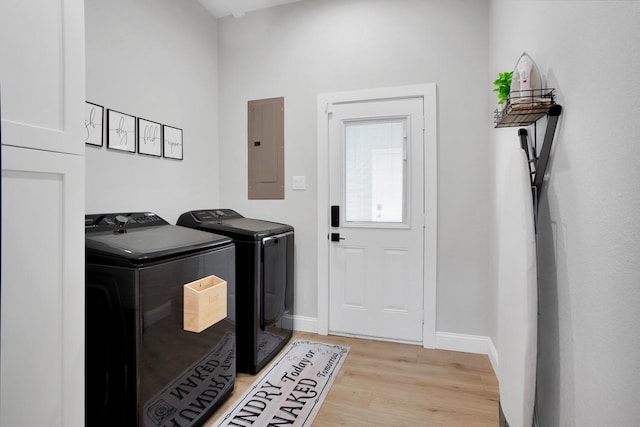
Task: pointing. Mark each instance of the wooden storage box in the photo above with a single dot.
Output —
(205, 303)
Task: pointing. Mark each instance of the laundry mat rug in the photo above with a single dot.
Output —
(291, 390)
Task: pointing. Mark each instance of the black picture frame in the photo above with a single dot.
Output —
(93, 124)
(149, 137)
(121, 131)
(172, 142)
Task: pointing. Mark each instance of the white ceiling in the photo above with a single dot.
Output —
(237, 8)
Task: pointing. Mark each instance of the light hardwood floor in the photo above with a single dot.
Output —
(389, 384)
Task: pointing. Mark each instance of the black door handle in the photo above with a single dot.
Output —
(335, 237)
(335, 216)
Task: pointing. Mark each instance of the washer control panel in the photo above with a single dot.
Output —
(120, 222)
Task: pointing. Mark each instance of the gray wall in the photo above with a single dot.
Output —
(155, 59)
(303, 49)
(159, 60)
(589, 233)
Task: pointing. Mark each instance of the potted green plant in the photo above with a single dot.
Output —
(503, 86)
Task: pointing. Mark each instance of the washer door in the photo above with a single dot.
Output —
(274, 279)
(110, 360)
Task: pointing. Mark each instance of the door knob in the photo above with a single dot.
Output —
(335, 237)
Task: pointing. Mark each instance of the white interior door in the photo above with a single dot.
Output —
(376, 255)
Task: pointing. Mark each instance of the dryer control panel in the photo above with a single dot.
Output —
(210, 215)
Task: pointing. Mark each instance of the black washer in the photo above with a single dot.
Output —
(264, 274)
(142, 367)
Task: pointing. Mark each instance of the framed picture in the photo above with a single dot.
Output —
(121, 131)
(93, 119)
(149, 137)
(172, 142)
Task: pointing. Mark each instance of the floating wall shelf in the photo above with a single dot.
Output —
(525, 107)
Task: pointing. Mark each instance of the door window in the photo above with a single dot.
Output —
(375, 172)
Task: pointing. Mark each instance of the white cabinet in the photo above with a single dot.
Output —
(42, 88)
(42, 327)
(42, 74)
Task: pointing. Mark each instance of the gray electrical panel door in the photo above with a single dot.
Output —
(266, 148)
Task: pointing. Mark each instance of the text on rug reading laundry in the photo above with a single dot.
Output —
(302, 391)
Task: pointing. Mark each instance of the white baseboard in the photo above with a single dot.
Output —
(444, 340)
(469, 344)
(493, 356)
(461, 342)
(305, 324)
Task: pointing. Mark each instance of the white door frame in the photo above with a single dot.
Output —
(428, 93)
